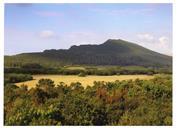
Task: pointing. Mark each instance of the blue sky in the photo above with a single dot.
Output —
(36, 27)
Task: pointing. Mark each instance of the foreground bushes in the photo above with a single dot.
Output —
(139, 102)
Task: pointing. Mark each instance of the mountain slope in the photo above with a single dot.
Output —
(112, 52)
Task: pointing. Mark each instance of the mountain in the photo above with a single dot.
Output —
(111, 52)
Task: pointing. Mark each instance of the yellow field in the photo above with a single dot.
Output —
(88, 80)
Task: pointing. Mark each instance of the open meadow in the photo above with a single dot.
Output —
(85, 81)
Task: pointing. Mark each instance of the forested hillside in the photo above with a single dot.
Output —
(111, 52)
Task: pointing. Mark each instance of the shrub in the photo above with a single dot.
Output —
(139, 102)
(82, 74)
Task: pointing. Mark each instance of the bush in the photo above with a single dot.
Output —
(15, 78)
(139, 102)
(82, 74)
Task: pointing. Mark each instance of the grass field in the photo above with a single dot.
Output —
(105, 67)
(75, 67)
(85, 81)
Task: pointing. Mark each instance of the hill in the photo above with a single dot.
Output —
(111, 52)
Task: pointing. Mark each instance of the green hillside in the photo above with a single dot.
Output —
(111, 52)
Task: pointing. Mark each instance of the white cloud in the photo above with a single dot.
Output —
(162, 44)
(47, 34)
(145, 36)
(163, 41)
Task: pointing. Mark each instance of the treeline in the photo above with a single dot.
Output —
(38, 69)
(15, 78)
(138, 102)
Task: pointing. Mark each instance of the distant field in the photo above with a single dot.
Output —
(85, 81)
(105, 67)
(75, 68)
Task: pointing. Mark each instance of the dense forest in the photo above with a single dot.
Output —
(137, 102)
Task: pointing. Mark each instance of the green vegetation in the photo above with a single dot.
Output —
(139, 102)
(112, 52)
(82, 74)
(31, 68)
(35, 68)
(107, 102)
(15, 78)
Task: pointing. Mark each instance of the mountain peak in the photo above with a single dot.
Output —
(113, 40)
(116, 41)
(111, 52)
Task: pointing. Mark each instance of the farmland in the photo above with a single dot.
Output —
(87, 80)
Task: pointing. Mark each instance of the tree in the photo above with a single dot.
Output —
(45, 84)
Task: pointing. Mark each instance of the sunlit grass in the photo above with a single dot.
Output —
(85, 81)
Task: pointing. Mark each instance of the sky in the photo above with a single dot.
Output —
(36, 27)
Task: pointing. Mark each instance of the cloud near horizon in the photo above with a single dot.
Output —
(47, 34)
(145, 36)
(160, 44)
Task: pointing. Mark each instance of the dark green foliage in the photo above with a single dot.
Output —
(15, 78)
(82, 74)
(45, 83)
(47, 86)
(139, 102)
(112, 52)
(92, 70)
(31, 68)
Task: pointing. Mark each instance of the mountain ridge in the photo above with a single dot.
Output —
(111, 52)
